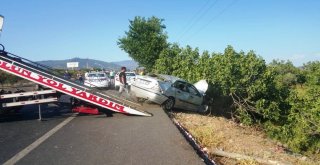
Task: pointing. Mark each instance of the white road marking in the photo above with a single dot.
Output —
(35, 144)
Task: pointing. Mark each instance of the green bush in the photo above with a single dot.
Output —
(260, 93)
(7, 78)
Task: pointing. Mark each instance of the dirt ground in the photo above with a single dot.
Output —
(219, 133)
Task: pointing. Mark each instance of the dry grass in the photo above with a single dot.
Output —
(206, 136)
(247, 162)
(223, 134)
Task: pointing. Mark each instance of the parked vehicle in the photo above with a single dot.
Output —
(171, 92)
(131, 77)
(97, 79)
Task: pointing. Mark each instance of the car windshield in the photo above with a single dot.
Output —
(164, 85)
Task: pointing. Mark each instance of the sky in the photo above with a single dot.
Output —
(64, 29)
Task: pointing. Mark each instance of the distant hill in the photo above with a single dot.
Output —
(83, 63)
(130, 64)
(90, 63)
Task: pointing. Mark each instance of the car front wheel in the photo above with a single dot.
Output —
(168, 104)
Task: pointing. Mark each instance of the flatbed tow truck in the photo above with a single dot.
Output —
(87, 100)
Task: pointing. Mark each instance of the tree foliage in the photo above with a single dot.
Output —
(260, 93)
(312, 72)
(286, 73)
(6, 78)
(257, 93)
(164, 64)
(303, 122)
(145, 40)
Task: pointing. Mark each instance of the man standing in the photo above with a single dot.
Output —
(123, 81)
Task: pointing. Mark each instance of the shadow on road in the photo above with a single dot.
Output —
(31, 112)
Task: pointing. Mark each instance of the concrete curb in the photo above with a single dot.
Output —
(191, 140)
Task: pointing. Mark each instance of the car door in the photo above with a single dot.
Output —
(181, 95)
(195, 99)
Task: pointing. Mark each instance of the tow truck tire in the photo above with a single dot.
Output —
(168, 104)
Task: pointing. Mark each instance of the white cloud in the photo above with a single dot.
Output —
(300, 59)
(297, 57)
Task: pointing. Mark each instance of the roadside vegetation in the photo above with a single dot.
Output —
(8, 79)
(279, 98)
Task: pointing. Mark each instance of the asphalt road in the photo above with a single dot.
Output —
(120, 139)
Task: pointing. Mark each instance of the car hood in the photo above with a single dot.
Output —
(202, 86)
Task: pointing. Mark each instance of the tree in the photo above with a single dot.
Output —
(257, 93)
(246, 79)
(286, 73)
(145, 40)
(301, 129)
(6, 78)
(3, 78)
(164, 64)
(312, 70)
(301, 79)
(185, 64)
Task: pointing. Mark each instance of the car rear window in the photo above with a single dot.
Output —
(96, 75)
(130, 74)
(101, 75)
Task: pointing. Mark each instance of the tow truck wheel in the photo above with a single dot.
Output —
(169, 104)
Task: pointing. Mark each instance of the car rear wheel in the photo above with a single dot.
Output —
(169, 104)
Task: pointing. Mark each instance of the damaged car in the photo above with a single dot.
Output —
(171, 92)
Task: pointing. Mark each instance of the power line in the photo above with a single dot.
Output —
(213, 18)
(199, 17)
(194, 17)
